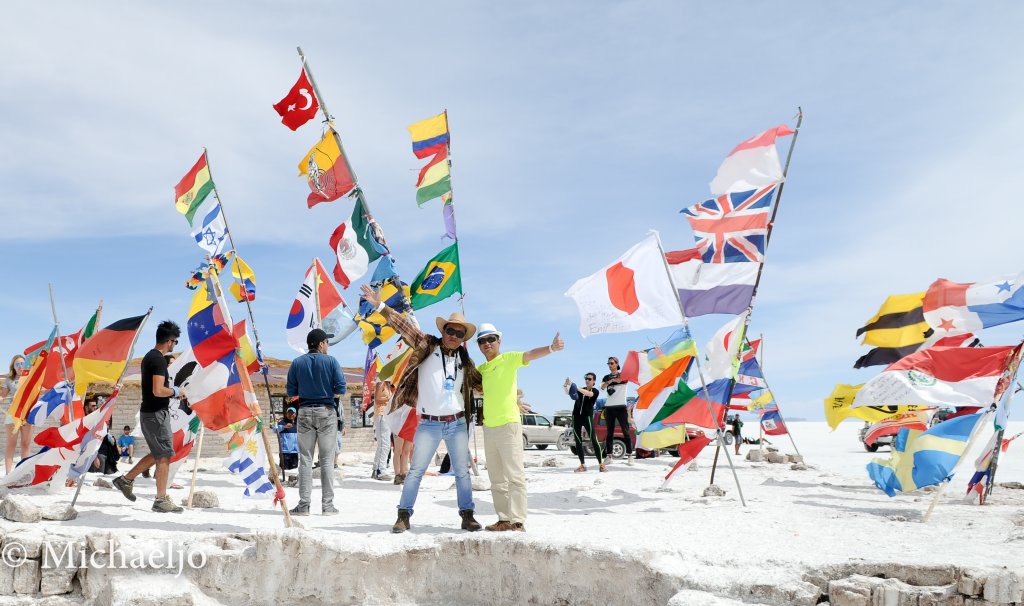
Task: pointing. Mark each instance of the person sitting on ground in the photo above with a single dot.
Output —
(287, 428)
(126, 443)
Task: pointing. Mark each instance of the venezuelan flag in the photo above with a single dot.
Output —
(193, 188)
(205, 326)
(430, 136)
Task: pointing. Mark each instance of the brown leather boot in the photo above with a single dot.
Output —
(501, 526)
(403, 522)
(468, 522)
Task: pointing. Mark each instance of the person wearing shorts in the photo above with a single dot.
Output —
(155, 419)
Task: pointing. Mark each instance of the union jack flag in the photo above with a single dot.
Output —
(732, 228)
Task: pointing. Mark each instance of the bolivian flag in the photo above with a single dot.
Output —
(104, 356)
(193, 188)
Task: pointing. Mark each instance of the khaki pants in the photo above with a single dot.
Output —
(503, 447)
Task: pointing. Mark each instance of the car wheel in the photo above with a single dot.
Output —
(541, 446)
(618, 449)
(728, 438)
(872, 448)
(526, 443)
(563, 442)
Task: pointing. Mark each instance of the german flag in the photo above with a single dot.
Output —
(104, 356)
(28, 390)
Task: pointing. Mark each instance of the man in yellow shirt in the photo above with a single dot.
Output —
(503, 430)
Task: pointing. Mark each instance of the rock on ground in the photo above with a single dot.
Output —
(19, 508)
(774, 457)
(203, 499)
(714, 491)
(755, 455)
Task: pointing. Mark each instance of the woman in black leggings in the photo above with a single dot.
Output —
(583, 418)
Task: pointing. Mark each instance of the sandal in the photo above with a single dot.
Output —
(603, 467)
(579, 469)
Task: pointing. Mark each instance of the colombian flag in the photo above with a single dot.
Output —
(104, 356)
(193, 188)
(326, 170)
(430, 136)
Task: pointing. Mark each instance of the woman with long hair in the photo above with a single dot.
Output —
(23, 435)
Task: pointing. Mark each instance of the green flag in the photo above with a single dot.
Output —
(440, 279)
(361, 227)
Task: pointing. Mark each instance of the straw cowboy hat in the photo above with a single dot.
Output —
(457, 318)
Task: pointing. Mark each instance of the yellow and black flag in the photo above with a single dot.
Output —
(897, 329)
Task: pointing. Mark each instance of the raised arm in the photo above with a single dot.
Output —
(402, 325)
(557, 344)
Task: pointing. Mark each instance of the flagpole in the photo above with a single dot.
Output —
(1002, 432)
(195, 465)
(970, 442)
(218, 294)
(779, 410)
(768, 237)
(131, 350)
(700, 372)
(60, 350)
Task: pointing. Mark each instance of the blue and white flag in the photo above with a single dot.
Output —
(208, 227)
(50, 403)
(250, 461)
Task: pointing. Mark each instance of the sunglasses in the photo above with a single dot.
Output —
(611, 363)
(591, 378)
(488, 339)
(451, 332)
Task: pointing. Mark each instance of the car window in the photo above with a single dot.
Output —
(529, 420)
(543, 422)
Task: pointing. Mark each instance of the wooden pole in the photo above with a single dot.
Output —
(704, 387)
(195, 466)
(131, 349)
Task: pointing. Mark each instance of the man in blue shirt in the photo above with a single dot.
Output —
(316, 379)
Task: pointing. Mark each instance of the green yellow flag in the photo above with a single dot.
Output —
(440, 279)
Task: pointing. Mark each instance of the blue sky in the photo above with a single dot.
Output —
(576, 127)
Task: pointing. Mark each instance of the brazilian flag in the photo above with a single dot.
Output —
(440, 279)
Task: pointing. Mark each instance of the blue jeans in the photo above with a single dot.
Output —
(428, 436)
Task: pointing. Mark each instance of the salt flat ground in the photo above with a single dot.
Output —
(795, 520)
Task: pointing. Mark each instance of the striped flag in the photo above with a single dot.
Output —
(28, 390)
(403, 422)
(250, 462)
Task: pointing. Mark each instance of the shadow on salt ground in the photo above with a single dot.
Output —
(839, 487)
(909, 514)
(386, 528)
(571, 502)
(377, 485)
(128, 522)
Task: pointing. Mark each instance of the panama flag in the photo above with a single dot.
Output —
(939, 376)
(752, 164)
(403, 422)
(952, 308)
(633, 293)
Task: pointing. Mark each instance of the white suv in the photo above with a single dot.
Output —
(539, 432)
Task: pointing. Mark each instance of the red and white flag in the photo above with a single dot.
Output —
(753, 164)
(633, 293)
(353, 260)
(299, 105)
(939, 376)
(687, 453)
(403, 422)
(915, 419)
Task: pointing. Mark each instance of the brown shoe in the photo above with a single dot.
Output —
(501, 526)
(518, 527)
(403, 522)
(468, 521)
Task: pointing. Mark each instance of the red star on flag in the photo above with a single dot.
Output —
(946, 325)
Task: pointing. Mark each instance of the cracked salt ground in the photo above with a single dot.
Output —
(821, 535)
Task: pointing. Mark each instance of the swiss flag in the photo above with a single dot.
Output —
(299, 105)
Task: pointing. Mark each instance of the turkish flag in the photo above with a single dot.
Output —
(299, 105)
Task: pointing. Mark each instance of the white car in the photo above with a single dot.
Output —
(538, 431)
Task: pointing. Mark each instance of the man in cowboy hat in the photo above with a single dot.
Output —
(438, 382)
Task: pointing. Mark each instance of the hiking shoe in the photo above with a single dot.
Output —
(518, 527)
(164, 504)
(402, 524)
(299, 510)
(501, 526)
(125, 486)
(468, 521)
(384, 477)
(602, 467)
(330, 510)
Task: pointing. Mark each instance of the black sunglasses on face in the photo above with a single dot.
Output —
(591, 379)
(451, 332)
(489, 339)
(615, 363)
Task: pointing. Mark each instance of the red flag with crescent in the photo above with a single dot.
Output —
(299, 105)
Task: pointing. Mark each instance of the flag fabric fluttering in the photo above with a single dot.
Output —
(353, 246)
(925, 458)
(663, 438)
(243, 287)
(27, 393)
(303, 317)
(209, 230)
(448, 214)
(633, 293)
(884, 356)
(403, 422)
(430, 136)
(915, 419)
(752, 164)
(326, 170)
(732, 228)
(217, 392)
(723, 349)
(193, 188)
(251, 358)
(939, 376)
(952, 308)
(204, 215)
(371, 366)
(838, 407)
(61, 354)
(54, 401)
(395, 363)
(772, 423)
(711, 288)
(299, 105)
(249, 460)
(899, 322)
(689, 452)
(104, 356)
(983, 466)
(374, 326)
(209, 334)
(440, 279)
(663, 395)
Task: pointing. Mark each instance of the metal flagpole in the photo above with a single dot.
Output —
(60, 352)
(131, 350)
(768, 387)
(700, 372)
(1013, 367)
(768, 237)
